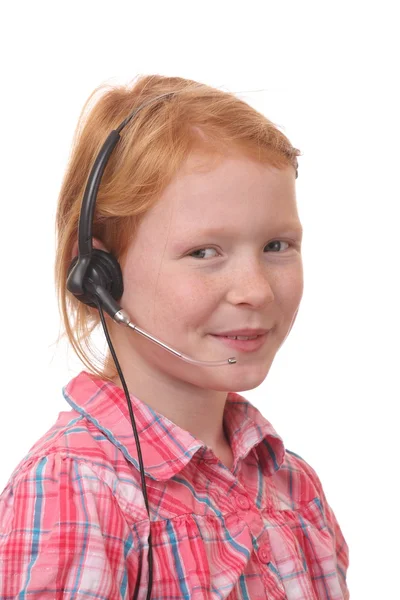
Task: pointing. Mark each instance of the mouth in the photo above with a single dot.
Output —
(243, 345)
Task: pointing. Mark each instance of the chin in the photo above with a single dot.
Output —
(249, 380)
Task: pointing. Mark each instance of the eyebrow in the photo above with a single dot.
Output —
(222, 232)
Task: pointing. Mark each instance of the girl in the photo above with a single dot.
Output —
(197, 208)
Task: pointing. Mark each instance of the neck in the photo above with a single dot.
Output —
(202, 415)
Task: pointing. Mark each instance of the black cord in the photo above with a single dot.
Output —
(150, 555)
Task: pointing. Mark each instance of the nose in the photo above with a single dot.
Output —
(251, 284)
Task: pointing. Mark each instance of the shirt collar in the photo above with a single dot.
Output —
(166, 448)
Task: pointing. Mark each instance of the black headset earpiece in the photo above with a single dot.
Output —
(104, 272)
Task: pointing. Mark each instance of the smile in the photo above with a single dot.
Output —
(245, 345)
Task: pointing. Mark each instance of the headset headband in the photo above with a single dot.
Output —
(76, 278)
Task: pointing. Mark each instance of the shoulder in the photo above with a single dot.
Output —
(54, 495)
(300, 465)
(298, 487)
(73, 437)
(77, 458)
(298, 479)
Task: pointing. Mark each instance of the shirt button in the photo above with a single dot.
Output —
(242, 502)
(263, 554)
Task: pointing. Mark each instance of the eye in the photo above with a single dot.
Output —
(274, 243)
(200, 250)
(278, 242)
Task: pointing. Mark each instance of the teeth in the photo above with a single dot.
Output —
(241, 337)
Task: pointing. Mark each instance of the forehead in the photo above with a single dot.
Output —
(212, 193)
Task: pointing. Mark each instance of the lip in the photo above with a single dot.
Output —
(244, 345)
(247, 332)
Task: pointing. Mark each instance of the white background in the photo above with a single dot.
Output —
(328, 74)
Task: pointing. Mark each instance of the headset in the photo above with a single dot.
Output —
(95, 278)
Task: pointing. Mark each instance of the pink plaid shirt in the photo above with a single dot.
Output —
(73, 523)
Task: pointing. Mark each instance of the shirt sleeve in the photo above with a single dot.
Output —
(342, 549)
(340, 544)
(63, 535)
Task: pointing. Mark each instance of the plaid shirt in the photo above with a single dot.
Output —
(73, 523)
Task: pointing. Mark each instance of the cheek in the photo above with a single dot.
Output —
(161, 297)
(291, 295)
(184, 300)
(291, 289)
(139, 288)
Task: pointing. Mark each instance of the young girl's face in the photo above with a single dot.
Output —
(220, 251)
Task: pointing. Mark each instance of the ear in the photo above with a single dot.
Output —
(96, 244)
